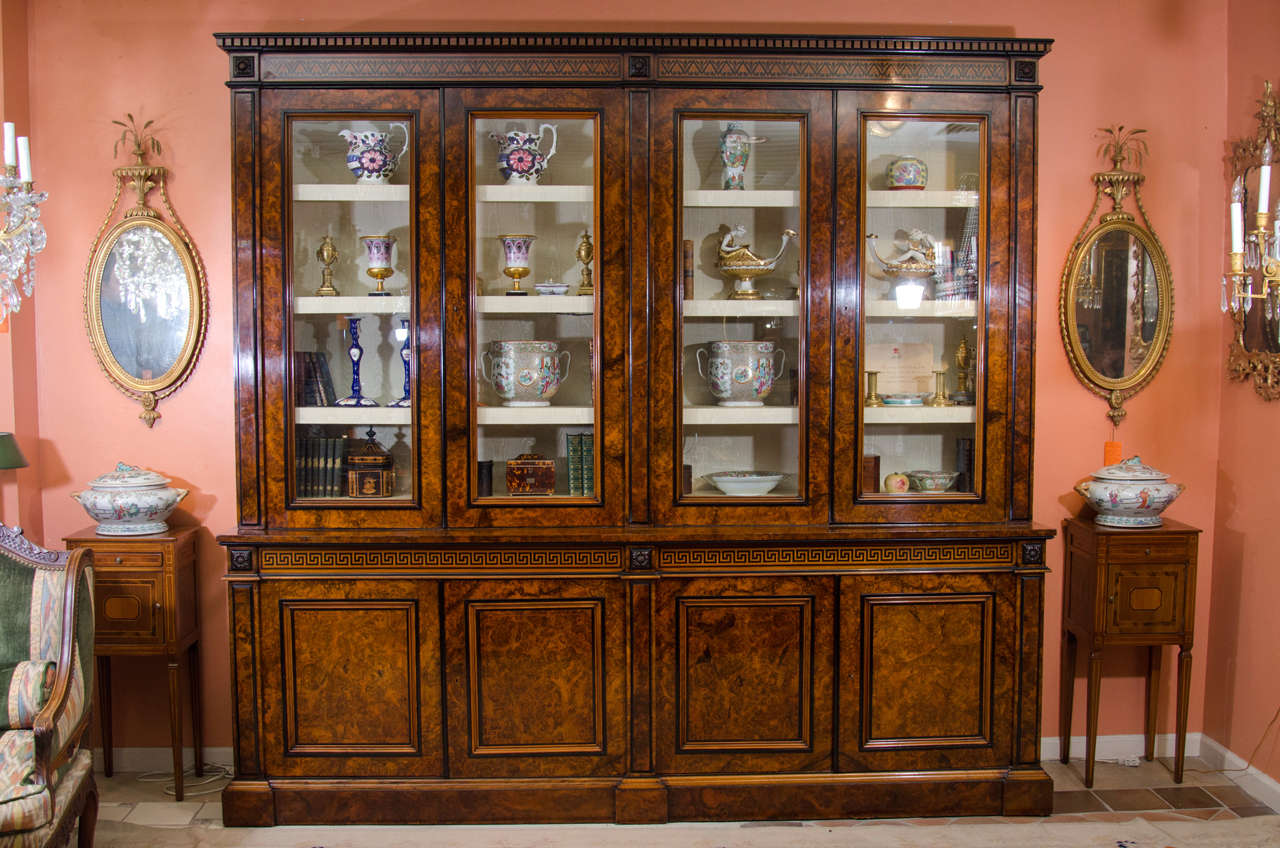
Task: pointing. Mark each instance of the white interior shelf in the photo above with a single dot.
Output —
(744, 199)
(562, 304)
(353, 416)
(921, 199)
(357, 305)
(927, 309)
(741, 415)
(535, 193)
(351, 191)
(530, 415)
(920, 415)
(739, 308)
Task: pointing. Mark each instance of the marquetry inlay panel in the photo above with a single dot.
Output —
(444, 558)
(836, 70)
(425, 69)
(837, 556)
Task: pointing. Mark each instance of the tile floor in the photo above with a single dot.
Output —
(1119, 794)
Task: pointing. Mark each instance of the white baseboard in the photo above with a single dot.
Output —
(131, 760)
(1120, 745)
(1257, 783)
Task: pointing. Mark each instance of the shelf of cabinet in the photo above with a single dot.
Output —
(741, 415)
(531, 415)
(351, 192)
(353, 416)
(927, 309)
(920, 415)
(922, 199)
(551, 304)
(535, 194)
(733, 199)
(356, 305)
(740, 308)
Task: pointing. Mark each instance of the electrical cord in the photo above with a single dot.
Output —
(214, 773)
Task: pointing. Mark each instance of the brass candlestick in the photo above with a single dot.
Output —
(940, 390)
(873, 397)
(328, 254)
(584, 253)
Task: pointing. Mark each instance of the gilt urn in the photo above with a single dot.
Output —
(1129, 494)
(130, 501)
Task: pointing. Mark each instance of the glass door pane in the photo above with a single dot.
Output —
(741, 350)
(352, 271)
(534, 312)
(924, 219)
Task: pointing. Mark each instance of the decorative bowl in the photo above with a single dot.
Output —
(740, 373)
(525, 372)
(745, 482)
(932, 481)
(549, 287)
(130, 501)
(1129, 494)
(907, 172)
(906, 398)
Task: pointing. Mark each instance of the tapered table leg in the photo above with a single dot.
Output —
(193, 672)
(104, 711)
(175, 724)
(1154, 658)
(1091, 721)
(1066, 694)
(1184, 698)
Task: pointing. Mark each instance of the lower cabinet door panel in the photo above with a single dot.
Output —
(742, 674)
(537, 677)
(926, 668)
(351, 678)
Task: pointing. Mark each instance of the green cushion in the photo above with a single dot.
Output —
(28, 685)
(16, 580)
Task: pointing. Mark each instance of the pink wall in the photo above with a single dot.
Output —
(1243, 691)
(1148, 63)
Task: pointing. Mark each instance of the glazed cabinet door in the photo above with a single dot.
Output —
(926, 671)
(535, 232)
(349, 243)
(741, 258)
(925, 341)
(351, 678)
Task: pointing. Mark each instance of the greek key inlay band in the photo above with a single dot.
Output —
(992, 554)
(872, 69)
(574, 558)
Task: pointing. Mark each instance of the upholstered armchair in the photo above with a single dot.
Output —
(46, 670)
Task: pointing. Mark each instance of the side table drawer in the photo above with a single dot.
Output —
(1146, 599)
(1142, 550)
(110, 560)
(127, 608)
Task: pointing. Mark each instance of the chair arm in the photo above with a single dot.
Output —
(48, 760)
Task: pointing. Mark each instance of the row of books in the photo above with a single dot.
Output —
(580, 450)
(312, 382)
(321, 467)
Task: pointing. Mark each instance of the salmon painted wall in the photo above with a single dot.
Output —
(1158, 64)
(1243, 691)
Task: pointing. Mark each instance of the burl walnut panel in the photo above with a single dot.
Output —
(927, 664)
(742, 671)
(536, 677)
(357, 690)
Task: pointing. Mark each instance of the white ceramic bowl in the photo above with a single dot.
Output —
(745, 482)
(1129, 494)
(130, 501)
(932, 481)
(551, 288)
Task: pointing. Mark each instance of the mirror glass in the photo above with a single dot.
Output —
(1116, 302)
(145, 302)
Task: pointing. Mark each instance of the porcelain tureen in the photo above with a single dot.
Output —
(130, 501)
(1129, 494)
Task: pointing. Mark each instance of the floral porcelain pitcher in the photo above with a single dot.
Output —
(520, 157)
(369, 154)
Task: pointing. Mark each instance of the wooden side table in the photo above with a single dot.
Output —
(1127, 587)
(145, 605)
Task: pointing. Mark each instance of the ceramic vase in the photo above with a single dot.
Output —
(355, 353)
(521, 160)
(369, 154)
(735, 151)
(525, 372)
(378, 251)
(740, 373)
(907, 172)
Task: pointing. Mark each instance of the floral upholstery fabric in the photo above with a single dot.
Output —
(25, 802)
(28, 684)
(74, 776)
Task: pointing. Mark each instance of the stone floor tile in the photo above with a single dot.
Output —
(1109, 817)
(113, 812)
(161, 813)
(1231, 795)
(1077, 801)
(1186, 797)
(1064, 777)
(1132, 799)
(1252, 810)
(1224, 815)
(1202, 815)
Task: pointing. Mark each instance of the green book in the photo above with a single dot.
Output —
(573, 455)
(588, 464)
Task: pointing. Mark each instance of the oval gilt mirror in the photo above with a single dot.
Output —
(1116, 303)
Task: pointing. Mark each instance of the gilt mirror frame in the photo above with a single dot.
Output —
(145, 289)
(1116, 184)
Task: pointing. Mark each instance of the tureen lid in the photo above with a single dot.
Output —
(129, 477)
(1129, 469)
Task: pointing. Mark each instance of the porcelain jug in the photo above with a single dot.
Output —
(521, 159)
(369, 155)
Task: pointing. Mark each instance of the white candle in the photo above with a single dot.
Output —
(1264, 178)
(10, 158)
(24, 159)
(1237, 216)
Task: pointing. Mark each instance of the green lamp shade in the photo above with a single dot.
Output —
(10, 455)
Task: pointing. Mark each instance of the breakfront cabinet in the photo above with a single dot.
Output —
(633, 428)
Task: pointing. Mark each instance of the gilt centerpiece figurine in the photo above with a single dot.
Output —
(736, 261)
